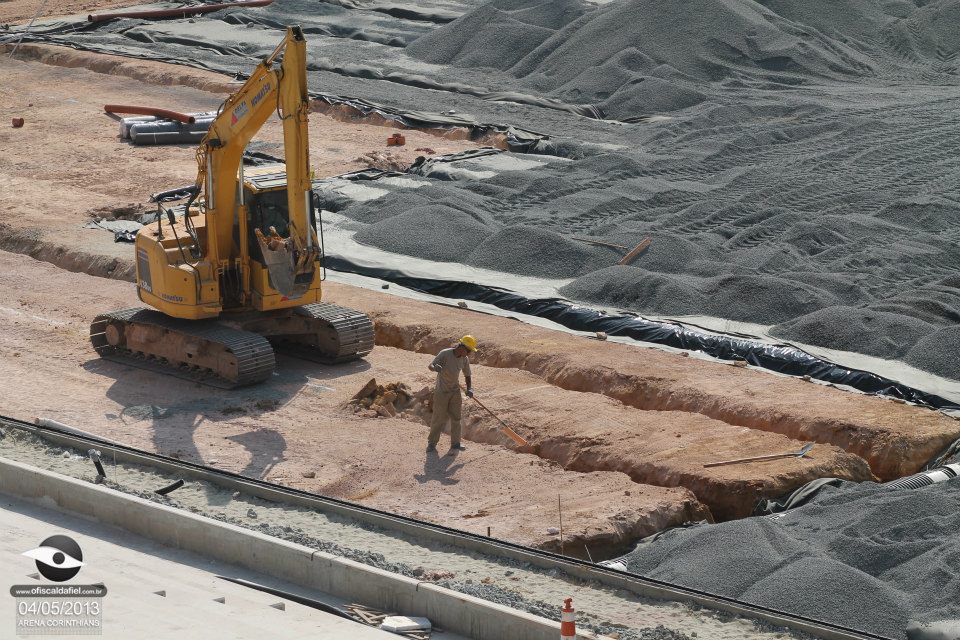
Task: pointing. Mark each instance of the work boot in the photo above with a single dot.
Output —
(458, 447)
(431, 447)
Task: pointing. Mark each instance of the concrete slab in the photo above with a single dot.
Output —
(134, 569)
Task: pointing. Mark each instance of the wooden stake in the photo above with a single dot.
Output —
(560, 513)
(635, 252)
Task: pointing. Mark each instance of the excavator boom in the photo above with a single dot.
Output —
(269, 89)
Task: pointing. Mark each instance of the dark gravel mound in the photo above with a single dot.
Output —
(863, 556)
(634, 57)
(435, 232)
(875, 333)
(532, 251)
(627, 287)
(750, 298)
(382, 208)
(496, 35)
(939, 353)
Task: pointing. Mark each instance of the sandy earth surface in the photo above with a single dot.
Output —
(53, 175)
(14, 11)
(896, 439)
(296, 425)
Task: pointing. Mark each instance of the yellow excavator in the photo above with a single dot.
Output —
(237, 274)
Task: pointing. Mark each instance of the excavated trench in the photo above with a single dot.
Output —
(589, 432)
(890, 452)
(607, 398)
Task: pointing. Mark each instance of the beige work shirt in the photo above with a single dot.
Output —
(448, 378)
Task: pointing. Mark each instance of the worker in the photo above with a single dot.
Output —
(447, 401)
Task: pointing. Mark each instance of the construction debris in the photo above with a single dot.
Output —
(383, 160)
(396, 140)
(387, 401)
(375, 618)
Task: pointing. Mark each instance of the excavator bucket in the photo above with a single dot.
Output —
(287, 275)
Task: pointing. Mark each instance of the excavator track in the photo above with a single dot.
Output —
(341, 335)
(203, 351)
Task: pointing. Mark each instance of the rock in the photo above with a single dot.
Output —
(309, 474)
(251, 513)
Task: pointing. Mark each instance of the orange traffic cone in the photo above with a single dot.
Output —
(568, 620)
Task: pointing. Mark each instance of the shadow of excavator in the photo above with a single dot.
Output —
(174, 410)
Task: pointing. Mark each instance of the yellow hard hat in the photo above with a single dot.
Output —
(469, 342)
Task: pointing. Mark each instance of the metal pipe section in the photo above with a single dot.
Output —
(180, 12)
(185, 118)
(127, 124)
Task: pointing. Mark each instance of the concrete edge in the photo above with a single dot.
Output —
(353, 581)
(618, 580)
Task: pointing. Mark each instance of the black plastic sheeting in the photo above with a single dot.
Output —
(355, 70)
(796, 498)
(950, 455)
(435, 167)
(780, 358)
(518, 140)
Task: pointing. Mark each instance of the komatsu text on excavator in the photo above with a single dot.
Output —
(236, 273)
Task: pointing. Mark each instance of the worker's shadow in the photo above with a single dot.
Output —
(175, 410)
(437, 468)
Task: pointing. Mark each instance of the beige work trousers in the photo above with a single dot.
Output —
(446, 404)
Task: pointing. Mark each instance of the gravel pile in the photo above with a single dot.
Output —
(748, 298)
(538, 252)
(862, 556)
(435, 232)
(808, 157)
(634, 57)
(874, 333)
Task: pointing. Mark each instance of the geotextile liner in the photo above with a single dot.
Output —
(862, 555)
(776, 357)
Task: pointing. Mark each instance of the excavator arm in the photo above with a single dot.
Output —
(290, 260)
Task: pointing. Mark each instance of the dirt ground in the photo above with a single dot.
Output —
(54, 176)
(895, 439)
(15, 11)
(605, 421)
(297, 425)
